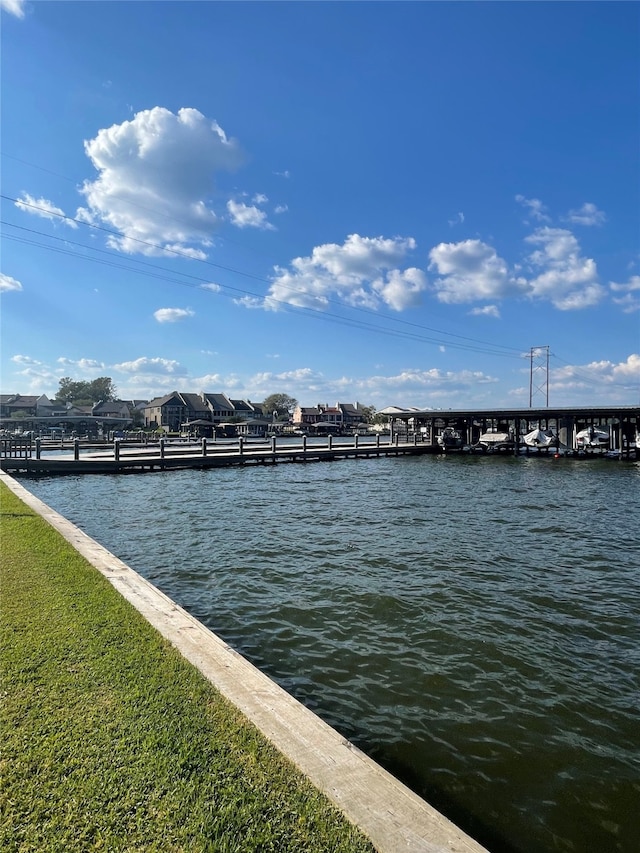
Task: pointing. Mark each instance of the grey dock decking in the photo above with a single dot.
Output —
(115, 459)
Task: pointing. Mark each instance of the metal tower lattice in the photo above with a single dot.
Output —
(539, 375)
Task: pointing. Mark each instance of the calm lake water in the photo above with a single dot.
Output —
(473, 623)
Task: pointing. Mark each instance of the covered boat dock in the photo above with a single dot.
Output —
(621, 422)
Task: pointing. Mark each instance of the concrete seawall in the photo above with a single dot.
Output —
(389, 813)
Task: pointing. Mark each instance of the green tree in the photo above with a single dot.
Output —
(368, 414)
(97, 391)
(280, 404)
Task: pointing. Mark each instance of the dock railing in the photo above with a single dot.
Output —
(16, 447)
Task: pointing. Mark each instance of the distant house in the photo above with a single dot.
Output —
(180, 410)
(47, 408)
(197, 406)
(220, 407)
(352, 414)
(111, 409)
(305, 416)
(344, 416)
(11, 404)
(169, 412)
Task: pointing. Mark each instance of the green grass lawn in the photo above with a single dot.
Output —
(112, 741)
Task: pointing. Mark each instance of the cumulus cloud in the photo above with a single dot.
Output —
(363, 271)
(472, 271)
(13, 7)
(155, 366)
(172, 315)
(25, 360)
(156, 173)
(7, 283)
(486, 311)
(248, 216)
(281, 208)
(588, 214)
(536, 208)
(611, 378)
(82, 364)
(212, 286)
(568, 280)
(44, 208)
(629, 300)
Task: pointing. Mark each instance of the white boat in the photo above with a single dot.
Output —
(593, 437)
(450, 439)
(540, 438)
(493, 441)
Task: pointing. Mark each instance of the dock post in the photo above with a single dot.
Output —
(204, 446)
(76, 449)
(396, 439)
(356, 440)
(116, 449)
(304, 443)
(329, 441)
(273, 443)
(38, 442)
(240, 445)
(378, 443)
(162, 448)
(415, 439)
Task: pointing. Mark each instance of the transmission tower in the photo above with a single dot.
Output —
(539, 375)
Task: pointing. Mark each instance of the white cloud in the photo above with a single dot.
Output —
(248, 216)
(84, 365)
(285, 174)
(44, 208)
(281, 208)
(214, 288)
(155, 366)
(472, 271)
(7, 283)
(260, 198)
(629, 301)
(172, 315)
(251, 302)
(588, 214)
(363, 271)
(567, 280)
(486, 311)
(25, 360)
(458, 220)
(13, 7)
(536, 208)
(613, 380)
(156, 173)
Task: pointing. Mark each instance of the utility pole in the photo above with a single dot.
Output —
(539, 374)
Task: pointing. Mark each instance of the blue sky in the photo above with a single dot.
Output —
(383, 202)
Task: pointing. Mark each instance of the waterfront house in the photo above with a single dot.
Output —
(220, 407)
(305, 416)
(111, 409)
(353, 415)
(168, 412)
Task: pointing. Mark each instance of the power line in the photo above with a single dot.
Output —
(483, 346)
(311, 312)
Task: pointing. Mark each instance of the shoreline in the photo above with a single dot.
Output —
(391, 815)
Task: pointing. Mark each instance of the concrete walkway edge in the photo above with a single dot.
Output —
(390, 814)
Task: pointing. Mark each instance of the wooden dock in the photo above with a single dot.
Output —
(125, 458)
